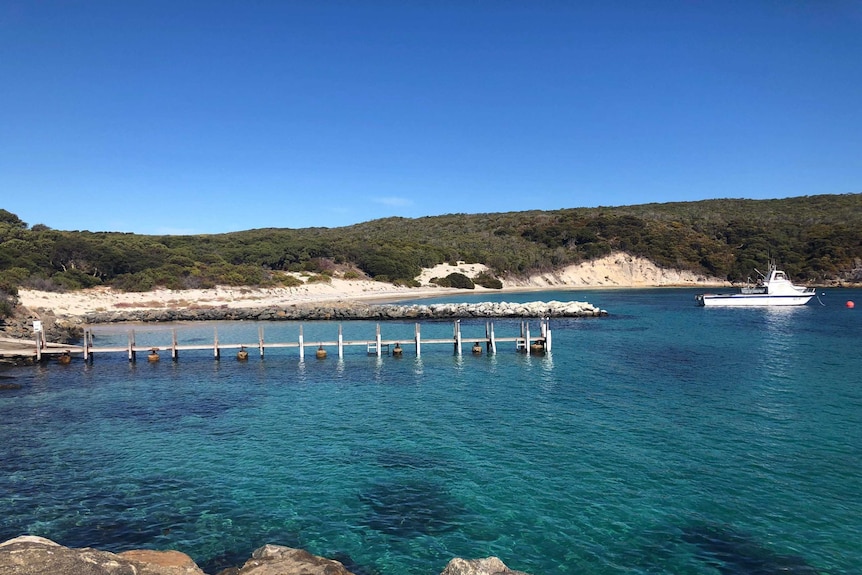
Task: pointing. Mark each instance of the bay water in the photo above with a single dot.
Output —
(664, 438)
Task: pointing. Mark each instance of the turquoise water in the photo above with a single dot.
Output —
(665, 438)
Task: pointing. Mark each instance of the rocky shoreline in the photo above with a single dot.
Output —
(69, 329)
(30, 555)
(353, 311)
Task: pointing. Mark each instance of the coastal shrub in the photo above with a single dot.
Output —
(460, 281)
(12, 278)
(351, 275)
(391, 263)
(137, 282)
(42, 283)
(406, 283)
(319, 278)
(236, 275)
(816, 238)
(75, 279)
(288, 280)
(7, 304)
(486, 280)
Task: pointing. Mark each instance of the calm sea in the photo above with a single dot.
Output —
(665, 438)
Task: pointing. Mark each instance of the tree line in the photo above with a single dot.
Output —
(814, 238)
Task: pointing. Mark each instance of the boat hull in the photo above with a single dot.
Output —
(752, 300)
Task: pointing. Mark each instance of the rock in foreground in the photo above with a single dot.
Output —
(30, 555)
(487, 566)
(39, 556)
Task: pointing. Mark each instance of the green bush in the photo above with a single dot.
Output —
(10, 280)
(319, 279)
(8, 302)
(488, 281)
(138, 282)
(460, 281)
(291, 281)
(75, 279)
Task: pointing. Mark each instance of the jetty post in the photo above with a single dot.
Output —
(132, 357)
(174, 351)
(418, 339)
(38, 346)
(379, 342)
(458, 336)
(301, 344)
(216, 352)
(546, 332)
(489, 336)
(340, 343)
(260, 340)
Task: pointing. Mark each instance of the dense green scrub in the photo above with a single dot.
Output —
(814, 238)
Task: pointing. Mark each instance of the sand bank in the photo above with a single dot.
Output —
(617, 270)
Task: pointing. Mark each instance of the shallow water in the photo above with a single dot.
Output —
(665, 438)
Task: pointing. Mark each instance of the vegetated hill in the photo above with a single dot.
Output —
(815, 238)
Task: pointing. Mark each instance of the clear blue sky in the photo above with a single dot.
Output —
(185, 116)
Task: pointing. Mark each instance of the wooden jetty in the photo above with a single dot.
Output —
(525, 342)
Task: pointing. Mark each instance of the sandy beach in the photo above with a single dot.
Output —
(616, 270)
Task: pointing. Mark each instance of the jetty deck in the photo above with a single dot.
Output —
(525, 341)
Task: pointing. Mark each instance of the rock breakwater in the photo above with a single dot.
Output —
(354, 311)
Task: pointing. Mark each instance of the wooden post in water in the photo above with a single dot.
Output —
(86, 344)
(457, 328)
(174, 352)
(546, 325)
(216, 352)
(260, 340)
(493, 340)
(418, 339)
(379, 342)
(340, 343)
(132, 357)
(301, 344)
(527, 328)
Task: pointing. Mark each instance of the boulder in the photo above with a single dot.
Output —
(278, 560)
(29, 555)
(486, 566)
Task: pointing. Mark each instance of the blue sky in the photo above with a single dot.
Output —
(182, 116)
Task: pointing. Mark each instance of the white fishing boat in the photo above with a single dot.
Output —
(774, 289)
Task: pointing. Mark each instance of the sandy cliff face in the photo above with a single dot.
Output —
(616, 270)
